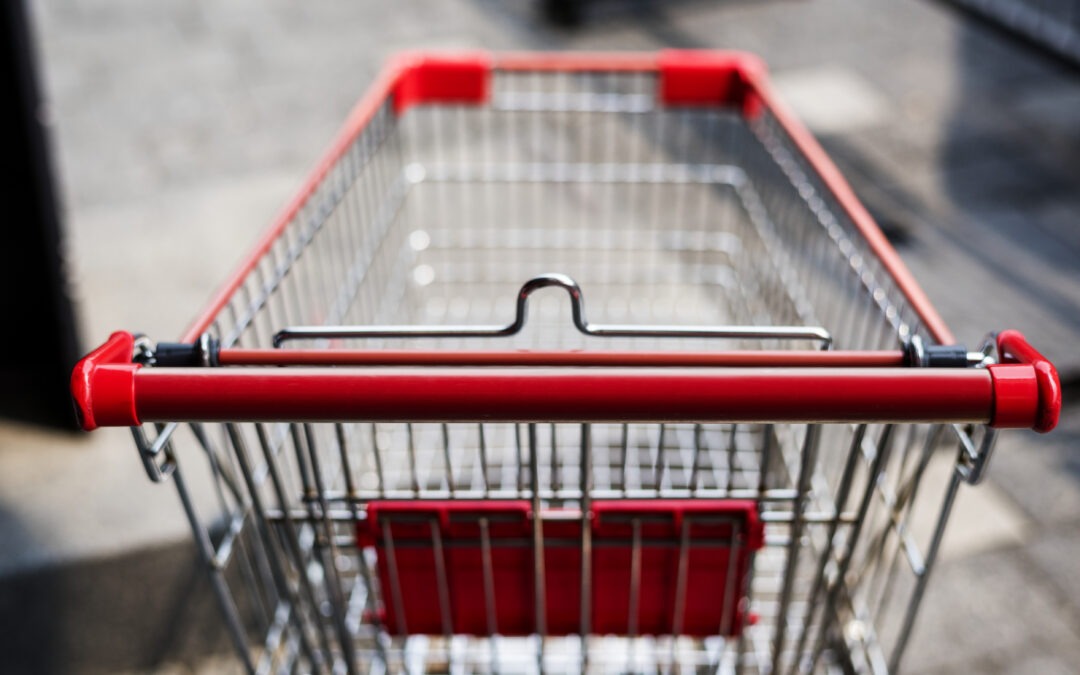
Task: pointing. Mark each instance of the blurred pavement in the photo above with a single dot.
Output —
(180, 127)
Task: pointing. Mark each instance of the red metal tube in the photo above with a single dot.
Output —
(411, 357)
(565, 395)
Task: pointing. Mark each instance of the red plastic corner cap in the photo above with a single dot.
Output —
(441, 78)
(1016, 396)
(1013, 347)
(103, 385)
(707, 78)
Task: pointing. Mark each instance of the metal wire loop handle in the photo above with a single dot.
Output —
(577, 309)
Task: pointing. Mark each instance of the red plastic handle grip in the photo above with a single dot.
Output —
(564, 394)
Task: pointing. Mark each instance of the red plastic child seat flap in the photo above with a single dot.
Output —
(468, 567)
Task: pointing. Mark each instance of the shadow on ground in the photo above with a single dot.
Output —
(132, 612)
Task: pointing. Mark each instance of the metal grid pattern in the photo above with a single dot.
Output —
(680, 217)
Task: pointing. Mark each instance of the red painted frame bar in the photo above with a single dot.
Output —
(409, 357)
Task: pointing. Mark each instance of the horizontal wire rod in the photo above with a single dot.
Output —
(577, 308)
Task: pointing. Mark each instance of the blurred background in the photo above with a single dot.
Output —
(174, 130)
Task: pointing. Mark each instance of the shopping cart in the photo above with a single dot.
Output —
(428, 454)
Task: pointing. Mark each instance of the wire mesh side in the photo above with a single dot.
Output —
(862, 305)
(664, 216)
(290, 497)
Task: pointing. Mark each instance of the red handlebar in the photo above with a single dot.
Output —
(1021, 392)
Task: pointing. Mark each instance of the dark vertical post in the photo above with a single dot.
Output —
(38, 341)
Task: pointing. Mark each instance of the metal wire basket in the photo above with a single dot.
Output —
(740, 456)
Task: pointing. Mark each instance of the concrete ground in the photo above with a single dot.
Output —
(180, 127)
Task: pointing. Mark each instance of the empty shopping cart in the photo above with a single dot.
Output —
(569, 362)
